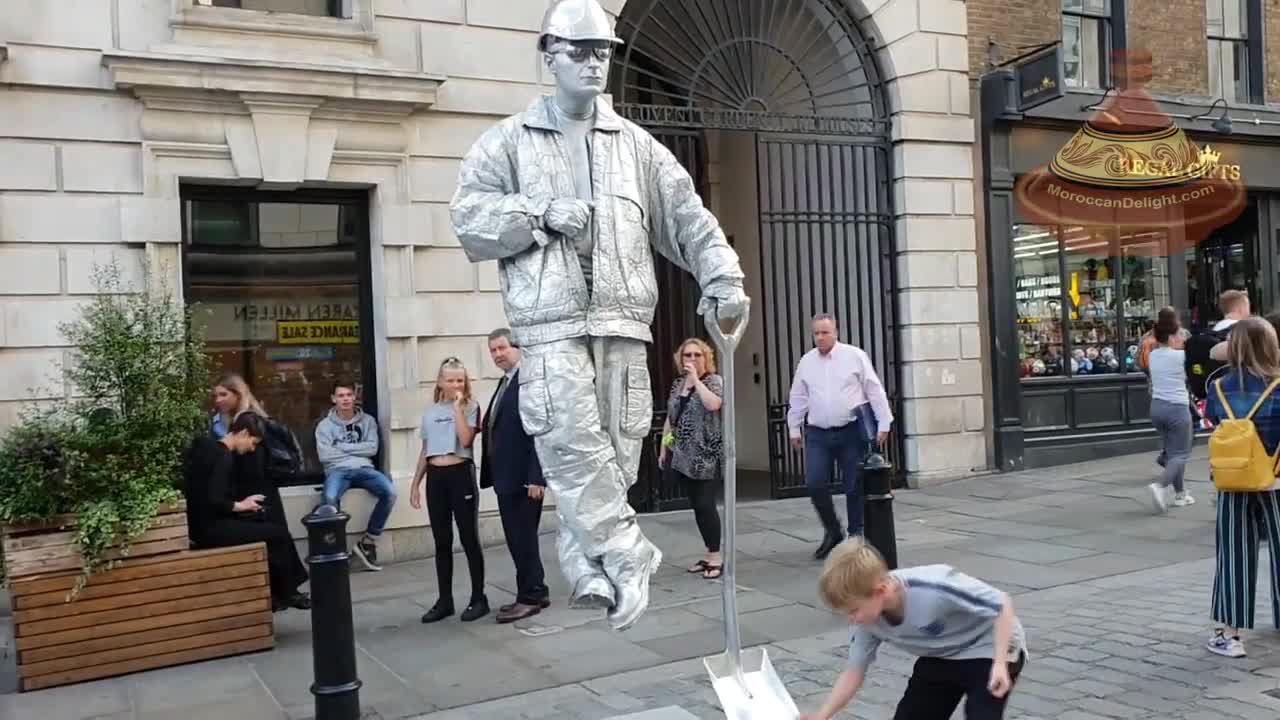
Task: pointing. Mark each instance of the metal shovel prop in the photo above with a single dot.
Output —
(745, 681)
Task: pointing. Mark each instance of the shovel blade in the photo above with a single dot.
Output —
(764, 697)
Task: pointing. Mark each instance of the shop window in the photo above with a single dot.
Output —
(1235, 50)
(278, 286)
(1088, 27)
(1083, 305)
(1092, 301)
(1038, 293)
(325, 8)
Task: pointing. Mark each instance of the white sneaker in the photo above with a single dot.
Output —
(1158, 498)
(1183, 499)
(1222, 645)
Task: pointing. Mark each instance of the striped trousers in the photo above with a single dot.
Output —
(1235, 583)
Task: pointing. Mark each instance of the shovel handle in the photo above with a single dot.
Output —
(726, 344)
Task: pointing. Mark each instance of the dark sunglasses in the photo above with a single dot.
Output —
(582, 54)
(694, 353)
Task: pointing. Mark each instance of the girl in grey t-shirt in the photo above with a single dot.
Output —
(449, 427)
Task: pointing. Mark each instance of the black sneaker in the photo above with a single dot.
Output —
(476, 610)
(366, 551)
(438, 612)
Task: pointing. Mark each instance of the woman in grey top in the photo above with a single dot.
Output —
(449, 428)
(1170, 410)
(693, 443)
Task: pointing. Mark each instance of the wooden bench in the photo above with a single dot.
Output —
(147, 613)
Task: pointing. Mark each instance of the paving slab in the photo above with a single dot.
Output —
(1114, 599)
(671, 712)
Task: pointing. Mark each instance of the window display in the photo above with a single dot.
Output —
(1091, 297)
(1081, 309)
(1145, 287)
(1038, 293)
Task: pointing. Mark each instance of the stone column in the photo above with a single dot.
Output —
(923, 53)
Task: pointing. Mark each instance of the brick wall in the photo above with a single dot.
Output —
(1174, 32)
(1012, 24)
(1271, 45)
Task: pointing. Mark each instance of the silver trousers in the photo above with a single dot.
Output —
(587, 404)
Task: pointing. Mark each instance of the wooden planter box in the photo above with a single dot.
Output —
(165, 605)
(48, 547)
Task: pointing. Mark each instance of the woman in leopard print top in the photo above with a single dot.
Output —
(693, 443)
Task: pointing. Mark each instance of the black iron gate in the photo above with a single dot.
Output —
(826, 247)
(674, 320)
(801, 76)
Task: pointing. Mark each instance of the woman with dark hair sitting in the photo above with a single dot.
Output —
(221, 512)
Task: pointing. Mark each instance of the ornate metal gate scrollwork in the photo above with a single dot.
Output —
(802, 77)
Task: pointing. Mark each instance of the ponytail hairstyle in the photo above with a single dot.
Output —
(453, 363)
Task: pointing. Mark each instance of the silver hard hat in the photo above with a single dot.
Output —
(576, 20)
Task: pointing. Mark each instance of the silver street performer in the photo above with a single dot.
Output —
(568, 197)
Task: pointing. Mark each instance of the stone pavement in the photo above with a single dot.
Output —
(1114, 600)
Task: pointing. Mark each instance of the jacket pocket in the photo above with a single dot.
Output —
(535, 398)
(637, 406)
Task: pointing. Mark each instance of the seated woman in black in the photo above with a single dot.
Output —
(216, 518)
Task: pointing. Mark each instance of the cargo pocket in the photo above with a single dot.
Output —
(637, 407)
(535, 398)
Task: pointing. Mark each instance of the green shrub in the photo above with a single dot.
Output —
(111, 452)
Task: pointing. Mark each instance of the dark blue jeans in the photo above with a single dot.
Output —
(823, 449)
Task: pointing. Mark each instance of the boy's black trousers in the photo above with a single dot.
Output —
(937, 686)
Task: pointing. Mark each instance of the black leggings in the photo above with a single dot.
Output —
(702, 496)
(452, 495)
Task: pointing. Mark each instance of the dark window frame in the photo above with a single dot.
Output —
(1252, 41)
(358, 199)
(336, 7)
(1114, 37)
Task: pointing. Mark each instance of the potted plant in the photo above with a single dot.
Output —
(101, 464)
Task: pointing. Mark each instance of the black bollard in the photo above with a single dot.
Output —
(877, 480)
(333, 640)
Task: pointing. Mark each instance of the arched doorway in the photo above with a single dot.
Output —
(795, 84)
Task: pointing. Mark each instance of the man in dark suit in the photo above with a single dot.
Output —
(510, 466)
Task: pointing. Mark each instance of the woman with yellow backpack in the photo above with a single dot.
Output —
(1242, 457)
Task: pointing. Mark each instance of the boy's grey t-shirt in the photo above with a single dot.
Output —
(439, 431)
(946, 614)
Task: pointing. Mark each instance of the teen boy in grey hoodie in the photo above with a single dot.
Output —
(347, 441)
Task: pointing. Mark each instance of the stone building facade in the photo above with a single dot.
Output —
(110, 111)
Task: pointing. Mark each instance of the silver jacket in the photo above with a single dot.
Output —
(643, 196)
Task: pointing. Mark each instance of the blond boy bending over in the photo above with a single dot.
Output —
(969, 642)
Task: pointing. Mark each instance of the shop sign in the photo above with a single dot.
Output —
(1040, 79)
(318, 332)
(1132, 169)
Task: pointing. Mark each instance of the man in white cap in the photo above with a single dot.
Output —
(569, 198)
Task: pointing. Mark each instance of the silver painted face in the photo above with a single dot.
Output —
(580, 69)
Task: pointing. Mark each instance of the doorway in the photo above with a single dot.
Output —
(785, 128)
(1226, 260)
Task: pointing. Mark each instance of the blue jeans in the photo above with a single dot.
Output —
(339, 481)
(824, 448)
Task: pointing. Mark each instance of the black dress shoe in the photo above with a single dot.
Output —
(438, 612)
(300, 601)
(476, 610)
(519, 611)
(829, 543)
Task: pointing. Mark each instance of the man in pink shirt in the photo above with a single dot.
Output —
(826, 418)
